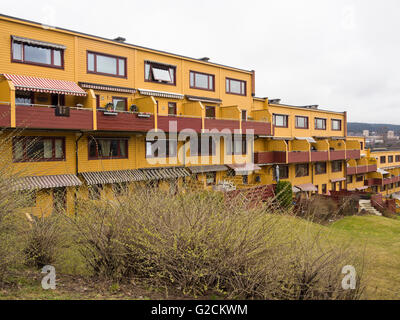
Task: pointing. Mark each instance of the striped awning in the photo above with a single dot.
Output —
(362, 188)
(28, 83)
(244, 169)
(204, 169)
(38, 43)
(165, 173)
(108, 177)
(309, 139)
(307, 187)
(161, 94)
(46, 182)
(104, 87)
(204, 99)
(338, 180)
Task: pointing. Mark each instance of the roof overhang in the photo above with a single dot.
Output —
(46, 182)
(161, 94)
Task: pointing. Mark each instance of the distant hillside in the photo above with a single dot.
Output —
(377, 127)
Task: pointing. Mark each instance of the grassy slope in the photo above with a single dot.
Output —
(377, 237)
(380, 239)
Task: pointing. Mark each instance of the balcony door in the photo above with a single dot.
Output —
(58, 100)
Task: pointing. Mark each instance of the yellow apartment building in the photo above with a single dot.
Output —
(99, 115)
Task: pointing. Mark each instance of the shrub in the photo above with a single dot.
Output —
(199, 243)
(318, 209)
(45, 240)
(284, 194)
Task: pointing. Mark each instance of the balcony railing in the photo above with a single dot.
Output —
(298, 156)
(179, 123)
(270, 157)
(361, 169)
(124, 121)
(319, 156)
(337, 155)
(353, 154)
(44, 117)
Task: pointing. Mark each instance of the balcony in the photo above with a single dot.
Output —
(270, 157)
(390, 180)
(5, 118)
(319, 156)
(337, 155)
(221, 124)
(353, 154)
(258, 127)
(44, 117)
(124, 121)
(373, 182)
(298, 156)
(361, 169)
(179, 123)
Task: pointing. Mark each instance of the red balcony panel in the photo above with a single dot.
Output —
(387, 181)
(300, 156)
(124, 122)
(221, 124)
(338, 155)
(5, 116)
(270, 157)
(351, 170)
(353, 154)
(362, 169)
(319, 156)
(45, 118)
(372, 168)
(373, 182)
(181, 123)
(260, 128)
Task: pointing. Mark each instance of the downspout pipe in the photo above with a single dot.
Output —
(77, 169)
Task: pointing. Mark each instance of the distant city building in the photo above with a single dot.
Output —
(365, 133)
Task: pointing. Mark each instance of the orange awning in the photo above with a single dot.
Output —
(27, 83)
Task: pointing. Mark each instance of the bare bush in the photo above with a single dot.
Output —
(199, 243)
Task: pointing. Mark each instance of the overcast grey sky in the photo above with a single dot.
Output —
(339, 54)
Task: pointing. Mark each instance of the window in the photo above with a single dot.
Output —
(320, 124)
(336, 166)
(206, 146)
(320, 168)
(161, 148)
(120, 104)
(361, 146)
(359, 178)
(234, 86)
(280, 120)
(301, 122)
(324, 189)
(160, 73)
(398, 158)
(302, 170)
(24, 97)
(172, 109)
(349, 179)
(97, 101)
(108, 148)
(37, 54)
(244, 115)
(390, 159)
(31, 149)
(237, 146)
(383, 159)
(95, 192)
(106, 64)
(336, 124)
(245, 179)
(283, 172)
(202, 81)
(210, 112)
(333, 186)
(211, 178)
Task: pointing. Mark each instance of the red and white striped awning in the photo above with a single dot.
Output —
(27, 83)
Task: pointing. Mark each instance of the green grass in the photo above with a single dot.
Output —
(379, 237)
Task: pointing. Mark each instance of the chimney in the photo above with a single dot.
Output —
(253, 83)
(205, 59)
(120, 39)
